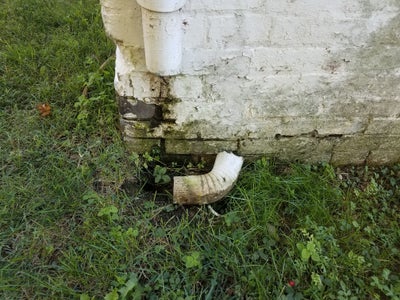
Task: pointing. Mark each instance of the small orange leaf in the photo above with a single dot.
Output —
(44, 109)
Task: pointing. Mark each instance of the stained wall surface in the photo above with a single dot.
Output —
(308, 80)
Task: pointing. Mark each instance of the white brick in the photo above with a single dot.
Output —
(278, 61)
(200, 61)
(383, 157)
(304, 149)
(364, 107)
(384, 126)
(314, 31)
(223, 30)
(360, 149)
(224, 4)
(301, 126)
(195, 29)
(220, 119)
(305, 8)
(255, 29)
(199, 147)
(186, 87)
(283, 90)
(138, 85)
(123, 21)
(130, 59)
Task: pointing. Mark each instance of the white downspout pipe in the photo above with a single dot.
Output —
(162, 33)
(210, 187)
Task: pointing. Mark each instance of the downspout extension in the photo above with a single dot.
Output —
(162, 33)
(210, 187)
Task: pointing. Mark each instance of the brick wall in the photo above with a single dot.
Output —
(309, 80)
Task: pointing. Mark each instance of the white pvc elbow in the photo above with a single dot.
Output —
(163, 34)
(210, 187)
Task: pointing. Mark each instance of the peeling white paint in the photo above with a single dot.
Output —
(253, 69)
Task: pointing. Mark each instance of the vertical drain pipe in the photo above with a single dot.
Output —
(162, 33)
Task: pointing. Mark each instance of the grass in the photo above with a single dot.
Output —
(77, 221)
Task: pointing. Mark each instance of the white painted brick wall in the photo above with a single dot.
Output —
(300, 79)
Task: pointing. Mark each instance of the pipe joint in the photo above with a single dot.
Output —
(162, 6)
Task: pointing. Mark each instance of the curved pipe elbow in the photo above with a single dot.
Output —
(210, 187)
